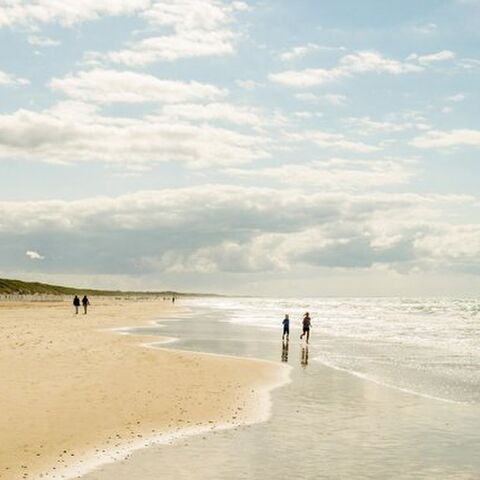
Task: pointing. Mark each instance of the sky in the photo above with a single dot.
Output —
(301, 148)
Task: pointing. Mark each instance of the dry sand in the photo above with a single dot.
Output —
(70, 389)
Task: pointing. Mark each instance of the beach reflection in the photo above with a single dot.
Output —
(285, 346)
(304, 357)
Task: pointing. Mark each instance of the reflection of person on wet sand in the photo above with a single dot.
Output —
(285, 352)
(304, 359)
(286, 328)
(307, 324)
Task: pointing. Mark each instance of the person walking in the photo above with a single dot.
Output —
(286, 328)
(307, 324)
(85, 303)
(76, 304)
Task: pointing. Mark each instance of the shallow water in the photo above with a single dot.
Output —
(430, 347)
(326, 424)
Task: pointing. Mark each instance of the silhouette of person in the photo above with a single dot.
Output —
(173, 299)
(76, 304)
(304, 358)
(307, 324)
(285, 352)
(286, 328)
(85, 303)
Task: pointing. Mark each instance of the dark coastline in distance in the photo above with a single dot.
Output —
(19, 287)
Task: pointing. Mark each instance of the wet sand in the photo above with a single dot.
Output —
(75, 394)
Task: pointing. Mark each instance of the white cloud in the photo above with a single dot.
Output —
(34, 255)
(301, 51)
(38, 12)
(366, 126)
(469, 63)
(457, 98)
(445, 139)
(42, 41)
(426, 29)
(248, 84)
(110, 86)
(475, 3)
(426, 60)
(172, 47)
(336, 99)
(8, 79)
(332, 141)
(226, 228)
(75, 132)
(236, 114)
(356, 63)
(336, 174)
(199, 28)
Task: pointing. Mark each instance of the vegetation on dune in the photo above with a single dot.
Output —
(18, 287)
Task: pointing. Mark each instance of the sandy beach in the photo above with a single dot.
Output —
(73, 389)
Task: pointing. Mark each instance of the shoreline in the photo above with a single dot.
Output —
(89, 412)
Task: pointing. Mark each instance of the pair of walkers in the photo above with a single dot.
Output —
(85, 302)
(306, 325)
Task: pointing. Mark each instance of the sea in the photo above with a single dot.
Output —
(428, 346)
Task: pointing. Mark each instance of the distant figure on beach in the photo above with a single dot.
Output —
(85, 303)
(76, 304)
(286, 328)
(173, 299)
(307, 323)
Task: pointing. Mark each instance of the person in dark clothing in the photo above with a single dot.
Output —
(286, 328)
(76, 304)
(307, 324)
(85, 303)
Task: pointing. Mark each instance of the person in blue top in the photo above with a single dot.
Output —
(286, 328)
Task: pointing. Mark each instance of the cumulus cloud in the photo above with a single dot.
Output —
(33, 255)
(366, 125)
(349, 65)
(40, 41)
(431, 58)
(335, 141)
(8, 79)
(76, 132)
(248, 84)
(236, 114)
(227, 228)
(301, 51)
(111, 86)
(38, 12)
(426, 28)
(198, 28)
(452, 138)
(336, 99)
(457, 98)
(336, 174)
